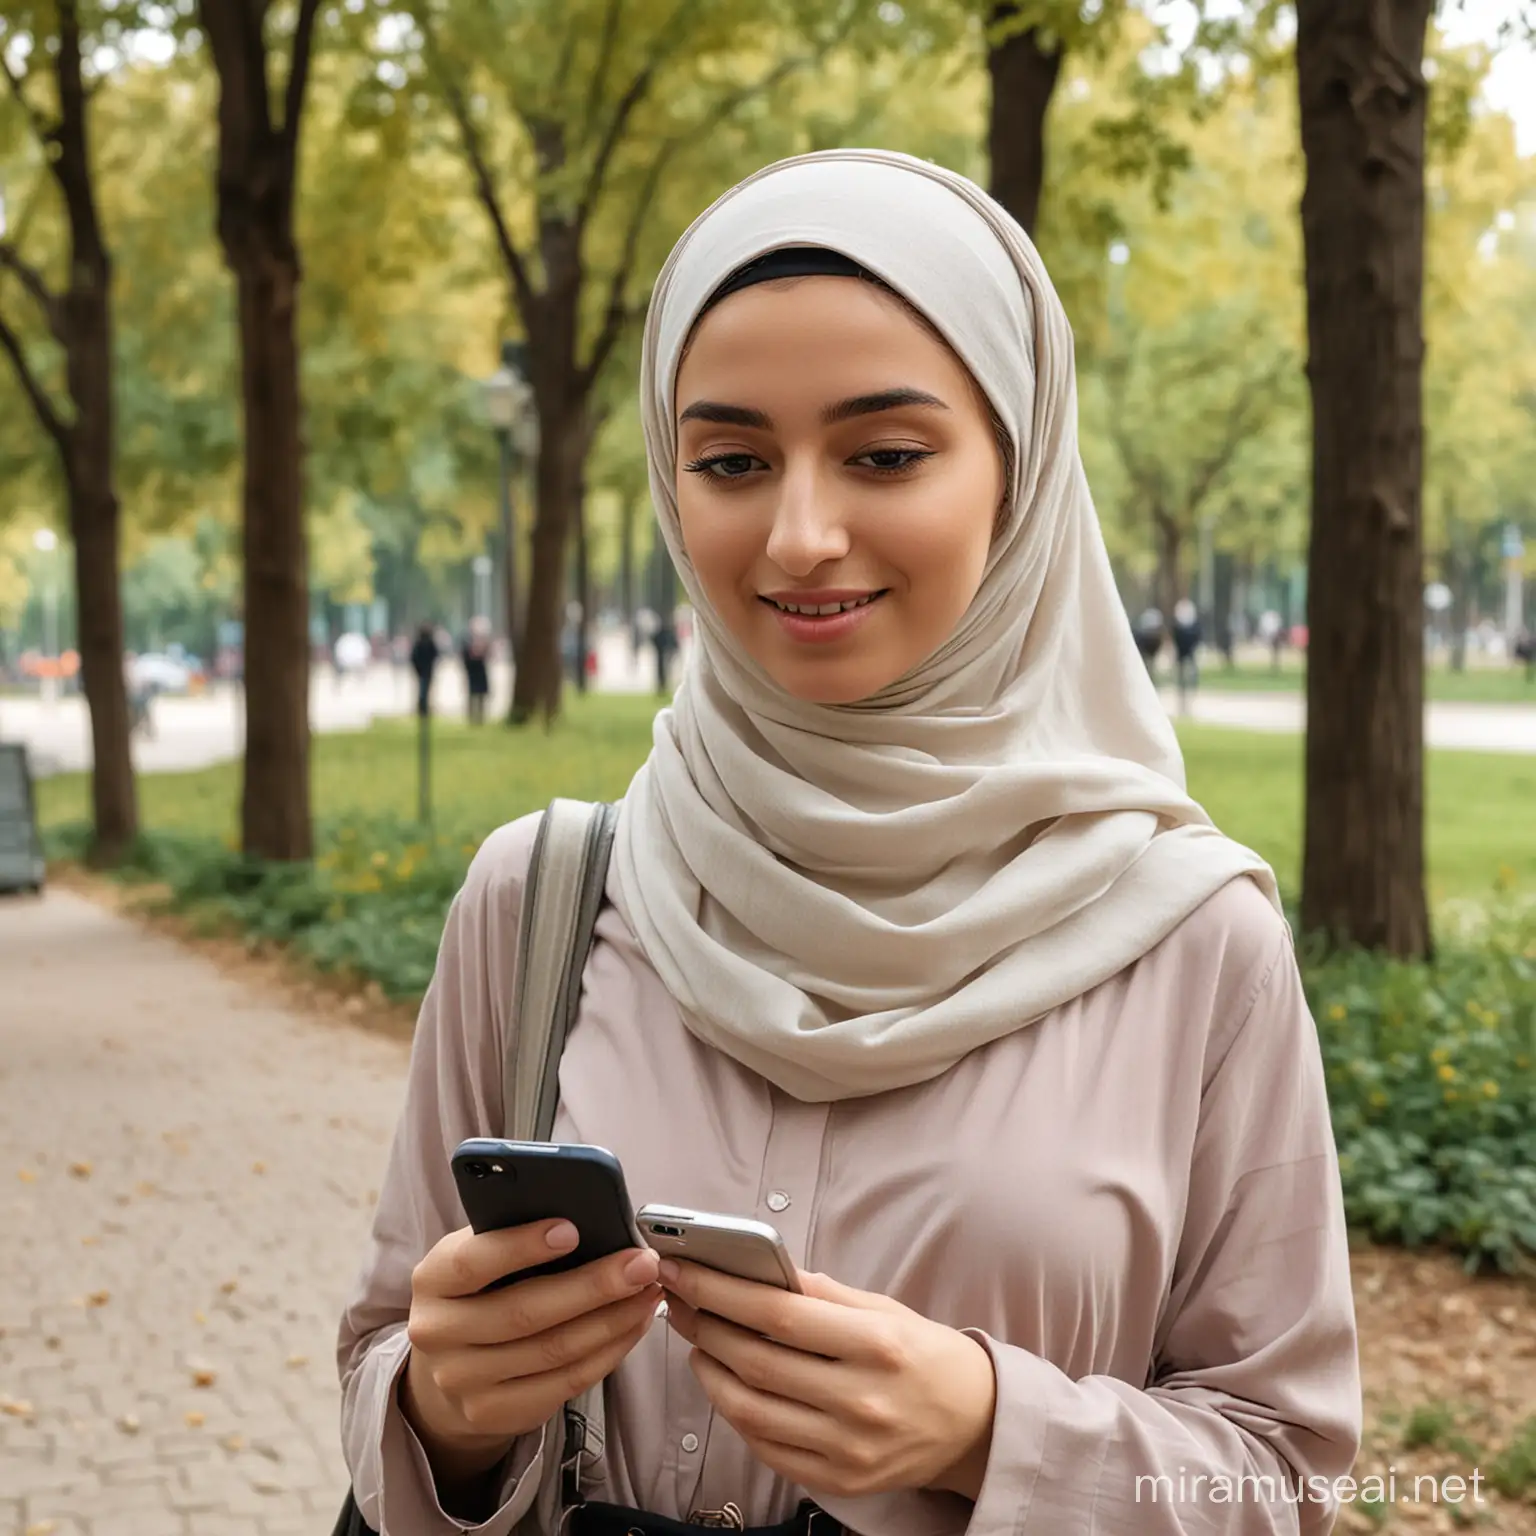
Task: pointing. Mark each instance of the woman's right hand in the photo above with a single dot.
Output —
(488, 1366)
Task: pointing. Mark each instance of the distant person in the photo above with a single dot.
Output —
(351, 655)
(476, 654)
(1272, 633)
(141, 694)
(1148, 630)
(1186, 649)
(1525, 650)
(424, 656)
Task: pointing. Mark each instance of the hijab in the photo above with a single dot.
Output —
(848, 899)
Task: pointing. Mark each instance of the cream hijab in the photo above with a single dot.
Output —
(849, 899)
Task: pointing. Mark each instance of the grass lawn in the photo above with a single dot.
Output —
(1250, 782)
(1481, 685)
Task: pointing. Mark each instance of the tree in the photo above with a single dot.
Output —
(78, 318)
(1364, 103)
(257, 176)
(573, 180)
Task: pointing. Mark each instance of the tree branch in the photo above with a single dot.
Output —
(485, 186)
(36, 286)
(298, 80)
(599, 81)
(634, 93)
(49, 418)
(616, 314)
(40, 126)
(1239, 428)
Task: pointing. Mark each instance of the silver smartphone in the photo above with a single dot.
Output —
(734, 1245)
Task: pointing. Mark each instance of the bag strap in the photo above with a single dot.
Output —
(562, 897)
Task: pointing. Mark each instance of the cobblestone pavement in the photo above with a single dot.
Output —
(186, 1172)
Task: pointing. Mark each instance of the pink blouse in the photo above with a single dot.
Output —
(1134, 1203)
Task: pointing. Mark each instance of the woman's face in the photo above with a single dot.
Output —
(835, 458)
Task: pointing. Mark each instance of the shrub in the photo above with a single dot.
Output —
(1433, 1090)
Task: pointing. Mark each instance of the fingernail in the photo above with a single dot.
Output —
(562, 1235)
(669, 1271)
(641, 1269)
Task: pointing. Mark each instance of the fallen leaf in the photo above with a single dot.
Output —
(17, 1407)
(80, 1170)
(203, 1377)
(199, 1317)
(53, 1341)
(233, 1442)
(42, 1528)
(26, 1176)
(295, 1361)
(258, 1167)
(129, 1423)
(229, 1287)
(195, 1420)
(89, 1242)
(99, 1298)
(144, 1187)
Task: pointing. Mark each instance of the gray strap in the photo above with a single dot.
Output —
(562, 897)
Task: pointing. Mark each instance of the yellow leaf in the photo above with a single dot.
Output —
(199, 1317)
(295, 1361)
(17, 1407)
(99, 1298)
(203, 1377)
(258, 1167)
(195, 1420)
(80, 1170)
(26, 1176)
(42, 1528)
(233, 1442)
(229, 1286)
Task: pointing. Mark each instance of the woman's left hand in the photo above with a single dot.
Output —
(843, 1392)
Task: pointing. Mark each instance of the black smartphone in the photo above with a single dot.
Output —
(510, 1183)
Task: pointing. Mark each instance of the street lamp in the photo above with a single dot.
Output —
(509, 408)
(46, 541)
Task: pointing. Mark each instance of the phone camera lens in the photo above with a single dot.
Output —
(478, 1170)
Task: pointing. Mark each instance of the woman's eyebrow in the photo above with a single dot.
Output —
(844, 410)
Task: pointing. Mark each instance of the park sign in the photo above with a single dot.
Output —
(21, 850)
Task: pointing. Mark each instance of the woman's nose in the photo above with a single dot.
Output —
(809, 528)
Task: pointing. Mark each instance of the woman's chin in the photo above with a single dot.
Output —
(844, 680)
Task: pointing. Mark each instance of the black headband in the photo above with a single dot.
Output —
(791, 261)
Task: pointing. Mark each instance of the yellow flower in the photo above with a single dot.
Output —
(380, 860)
(1378, 1097)
(1337, 1012)
(1439, 1054)
(1506, 878)
(1490, 1089)
(405, 869)
(1447, 1073)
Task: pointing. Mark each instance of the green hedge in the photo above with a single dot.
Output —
(1429, 1067)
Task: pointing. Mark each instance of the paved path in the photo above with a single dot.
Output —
(192, 733)
(227, 1151)
(1464, 727)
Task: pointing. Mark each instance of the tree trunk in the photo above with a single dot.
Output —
(627, 510)
(274, 804)
(557, 493)
(95, 526)
(1363, 109)
(583, 584)
(256, 179)
(88, 452)
(1170, 558)
(1024, 70)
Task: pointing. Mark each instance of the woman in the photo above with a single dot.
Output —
(916, 949)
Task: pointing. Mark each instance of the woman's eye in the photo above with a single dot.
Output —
(893, 461)
(723, 466)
